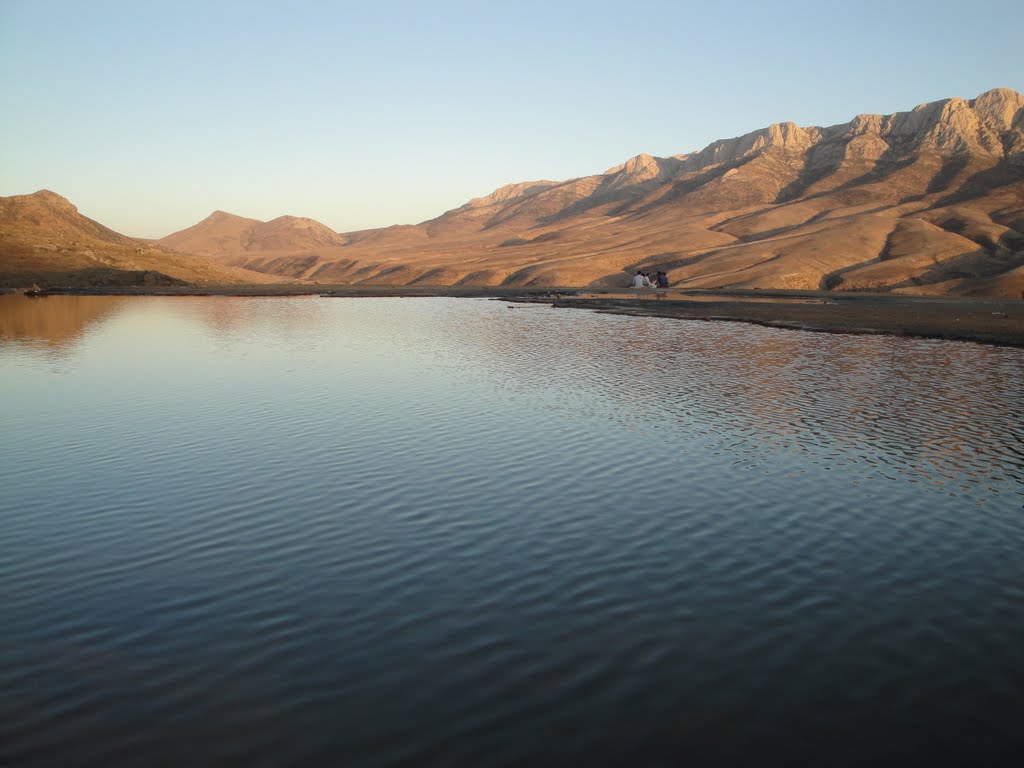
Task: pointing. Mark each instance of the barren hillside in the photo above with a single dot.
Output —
(929, 201)
(925, 201)
(45, 240)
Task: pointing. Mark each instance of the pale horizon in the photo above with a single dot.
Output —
(150, 117)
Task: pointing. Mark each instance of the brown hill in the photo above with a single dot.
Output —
(45, 240)
(219, 236)
(925, 201)
(230, 239)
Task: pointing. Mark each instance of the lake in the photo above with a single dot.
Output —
(458, 532)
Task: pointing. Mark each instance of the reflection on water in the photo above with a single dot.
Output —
(53, 322)
(61, 321)
(935, 410)
(386, 532)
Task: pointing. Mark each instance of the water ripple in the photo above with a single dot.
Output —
(442, 533)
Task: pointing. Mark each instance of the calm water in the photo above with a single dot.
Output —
(433, 532)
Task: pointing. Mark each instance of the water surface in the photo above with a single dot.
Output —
(383, 532)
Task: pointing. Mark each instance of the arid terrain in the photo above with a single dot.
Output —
(44, 240)
(925, 202)
(929, 201)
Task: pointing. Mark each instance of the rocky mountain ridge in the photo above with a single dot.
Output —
(928, 201)
(925, 201)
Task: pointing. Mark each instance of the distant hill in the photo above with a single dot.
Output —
(45, 240)
(231, 239)
(927, 201)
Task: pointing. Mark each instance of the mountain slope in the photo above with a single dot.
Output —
(927, 201)
(872, 204)
(45, 240)
(219, 236)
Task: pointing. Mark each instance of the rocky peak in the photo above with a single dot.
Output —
(954, 126)
(56, 215)
(222, 221)
(291, 233)
(223, 217)
(1000, 108)
(644, 167)
(43, 200)
(510, 192)
(53, 199)
(298, 222)
(991, 124)
(785, 136)
(862, 124)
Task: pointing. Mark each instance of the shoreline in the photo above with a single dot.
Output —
(988, 321)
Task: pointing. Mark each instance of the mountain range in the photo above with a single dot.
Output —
(929, 201)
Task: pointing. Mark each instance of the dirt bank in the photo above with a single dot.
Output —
(992, 321)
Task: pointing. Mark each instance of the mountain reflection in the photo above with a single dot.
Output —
(60, 322)
(56, 321)
(271, 317)
(933, 411)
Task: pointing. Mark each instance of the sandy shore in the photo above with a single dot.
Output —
(992, 321)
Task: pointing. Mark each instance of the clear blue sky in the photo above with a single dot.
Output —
(150, 115)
